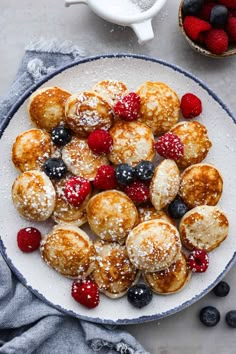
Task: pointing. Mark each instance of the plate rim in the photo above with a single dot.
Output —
(3, 125)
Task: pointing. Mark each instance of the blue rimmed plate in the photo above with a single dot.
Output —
(54, 289)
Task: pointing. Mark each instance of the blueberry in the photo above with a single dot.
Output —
(124, 173)
(55, 168)
(219, 16)
(192, 7)
(60, 135)
(230, 318)
(144, 170)
(209, 316)
(222, 289)
(177, 208)
(139, 295)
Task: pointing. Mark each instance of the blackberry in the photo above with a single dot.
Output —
(209, 316)
(144, 170)
(60, 135)
(222, 289)
(55, 168)
(139, 295)
(124, 174)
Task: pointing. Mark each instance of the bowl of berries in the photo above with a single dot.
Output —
(209, 26)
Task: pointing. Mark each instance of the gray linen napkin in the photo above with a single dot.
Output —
(27, 325)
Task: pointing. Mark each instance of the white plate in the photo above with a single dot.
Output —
(133, 70)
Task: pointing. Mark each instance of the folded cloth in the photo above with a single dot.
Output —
(27, 325)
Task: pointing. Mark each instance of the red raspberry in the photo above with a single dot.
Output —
(76, 190)
(190, 105)
(230, 4)
(231, 28)
(198, 261)
(217, 41)
(100, 141)
(137, 191)
(194, 26)
(85, 292)
(128, 107)
(105, 178)
(170, 146)
(28, 239)
(206, 11)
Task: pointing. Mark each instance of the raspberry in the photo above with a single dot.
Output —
(170, 146)
(206, 11)
(190, 105)
(217, 41)
(198, 261)
(194, 26)
(105, 177)
(100, 142)
(85, 292)
(231, 28)
(230, 4)
(28, 239)
(76, 190)
(137, 191)
(128, 107)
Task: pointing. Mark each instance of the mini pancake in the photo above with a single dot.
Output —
(31, 149)
(201, 184)
(113, 272)
(132, 143)
(196, 143)
(148, 212)
(111, 215)
(69, 251)
(80, 160)
(87, 111)
(47, 107)
(64, 212)
(204, 227)
(33, 195)
(111, 90)
(170, 280)
(164, 184)
(153, 245)
(160, 106)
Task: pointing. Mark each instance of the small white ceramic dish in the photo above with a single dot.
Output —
(125, 13)
(53, 288)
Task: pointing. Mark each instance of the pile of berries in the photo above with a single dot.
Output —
(210, 23)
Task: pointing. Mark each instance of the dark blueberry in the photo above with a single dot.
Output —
(219, 16)
(222, 289)
(60, 135)
(144, 170)
(124, 174)
(192, 7)
(55, 168)
(139, 295)
(177, 208)
(230, 318)
(209, 316)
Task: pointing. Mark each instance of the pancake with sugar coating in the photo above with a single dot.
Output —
(160, 106)
(148, 212)
(87, 111)
(113, 272)
(196, 142)
(64, 212)
(33, 195)
(132, 143)
(153, 245)
(69, 251)
(204, 227)
(111, 90)
(31, 149)
(201, 184)
(164, 184)
(80, 160)
(170, 280)
(111, 215)
(47, 107)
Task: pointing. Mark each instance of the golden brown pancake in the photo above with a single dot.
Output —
(204, 227)
(111, 90)
(47, 107)
(148, 212)
(201, 184)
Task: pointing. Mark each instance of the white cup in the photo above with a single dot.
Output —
(139, 21)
